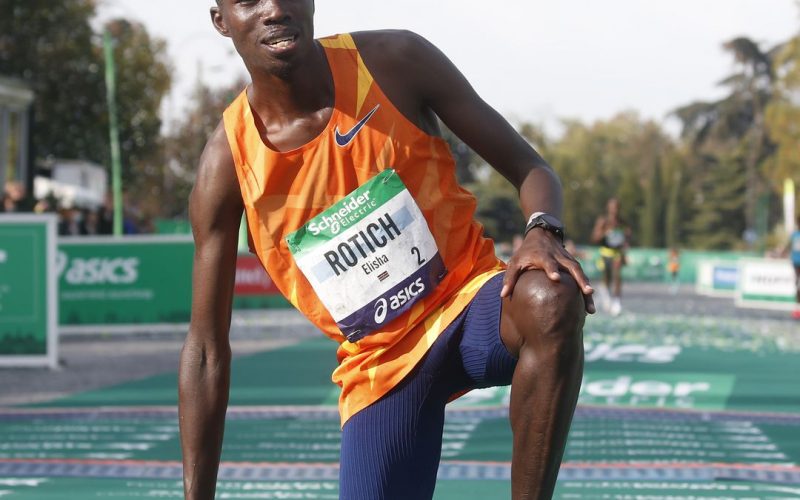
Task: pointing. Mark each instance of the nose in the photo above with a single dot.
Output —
(275, 12)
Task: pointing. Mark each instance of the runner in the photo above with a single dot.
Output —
(795, 256)
(333, 153)
(674, 267)
(613, 235)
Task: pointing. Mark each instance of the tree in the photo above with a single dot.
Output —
(467, 160)
(782, 115)
(185, 144)
(622, 157)
(721, 184)
(498, 206)
(143, 80)
(50, 46)
(730, 134)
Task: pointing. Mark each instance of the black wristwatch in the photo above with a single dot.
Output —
(546, 222)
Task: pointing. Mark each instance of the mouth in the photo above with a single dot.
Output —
(280, 41)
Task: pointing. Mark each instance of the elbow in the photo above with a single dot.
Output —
(206, 358)
(539, 172)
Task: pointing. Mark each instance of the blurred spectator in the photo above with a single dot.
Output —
(129, 223)
(130, 216)
(146, 225)
(5, 201)
(90, 223)
(45, 205)
(69, 223)
(105, 216)
(15, 199)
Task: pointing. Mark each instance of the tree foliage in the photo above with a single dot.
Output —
(52, 47)
(185, 143)
(623, 157)
(705, 188)
(783, 114)
(729, 147)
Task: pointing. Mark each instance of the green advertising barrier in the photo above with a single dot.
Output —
(28, 305)
(108, 282)
(650, 264)
(717, 278)
(766, 283)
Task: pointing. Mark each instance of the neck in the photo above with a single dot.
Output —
(296, 90)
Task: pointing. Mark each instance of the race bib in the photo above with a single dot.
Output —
(370, 256)
(615, 238)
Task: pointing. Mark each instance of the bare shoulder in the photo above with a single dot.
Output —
(216, 154)
(216, 185)
(394, 52)
(391, 43)
(410, 70)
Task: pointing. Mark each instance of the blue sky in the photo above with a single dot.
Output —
(533, 60)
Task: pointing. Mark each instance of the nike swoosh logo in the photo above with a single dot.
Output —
(345, 139)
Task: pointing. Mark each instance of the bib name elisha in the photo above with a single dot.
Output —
(362, 244)
(373, 265)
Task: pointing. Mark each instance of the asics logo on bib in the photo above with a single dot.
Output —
(350, 211)
(382, 306)
(362, 244)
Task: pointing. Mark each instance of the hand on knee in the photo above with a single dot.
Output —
(548, 315)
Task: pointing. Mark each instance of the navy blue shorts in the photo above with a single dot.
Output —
(391, 449)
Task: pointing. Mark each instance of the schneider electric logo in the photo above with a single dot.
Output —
(98, 270)
(349, 211)
(3, 256)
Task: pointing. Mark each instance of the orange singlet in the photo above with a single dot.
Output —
(364, 229)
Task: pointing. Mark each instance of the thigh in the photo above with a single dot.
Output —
(391, 449)
(486, 359)
(608, 268)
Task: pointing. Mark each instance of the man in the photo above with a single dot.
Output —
(794, 250)
(352, 206)
(613, 235)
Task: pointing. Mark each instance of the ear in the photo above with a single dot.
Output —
(218, 22)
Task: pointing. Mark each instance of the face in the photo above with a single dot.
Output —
(613, 206)
(269, 35)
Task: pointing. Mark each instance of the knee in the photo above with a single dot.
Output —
(548, 314)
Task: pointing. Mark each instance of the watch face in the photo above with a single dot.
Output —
(551, 220)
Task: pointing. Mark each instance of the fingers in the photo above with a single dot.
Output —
(588, 299)
(575, 269)
(557, 260)
(551, 267)
(510, 279)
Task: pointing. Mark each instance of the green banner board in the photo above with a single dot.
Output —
(27, 290)
(107, 281)
(650, 264)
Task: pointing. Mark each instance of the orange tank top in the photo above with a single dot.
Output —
(364, 229)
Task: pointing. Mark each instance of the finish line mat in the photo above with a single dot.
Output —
(670, 409)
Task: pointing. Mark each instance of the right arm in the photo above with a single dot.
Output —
(598, 230)
(215, 209)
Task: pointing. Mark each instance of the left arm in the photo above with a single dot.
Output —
(446, 92)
